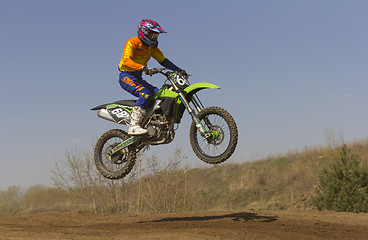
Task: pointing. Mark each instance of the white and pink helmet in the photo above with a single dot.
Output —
(148, 31)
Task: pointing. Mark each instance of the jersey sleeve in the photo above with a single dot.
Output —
(168, 64)
(158, 55)
(128, 55)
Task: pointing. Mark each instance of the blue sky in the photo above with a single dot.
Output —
(288, 71)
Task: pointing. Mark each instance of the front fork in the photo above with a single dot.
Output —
(206, 134)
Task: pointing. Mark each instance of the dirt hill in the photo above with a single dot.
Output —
(247, 224)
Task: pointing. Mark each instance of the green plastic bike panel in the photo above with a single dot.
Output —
(165, 92)
(190, 91)
(199, 86)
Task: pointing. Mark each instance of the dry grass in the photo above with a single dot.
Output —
(277, 182)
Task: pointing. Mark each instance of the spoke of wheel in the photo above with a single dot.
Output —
(214, 122)
(106, 161)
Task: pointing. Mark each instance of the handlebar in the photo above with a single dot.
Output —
(153, 71)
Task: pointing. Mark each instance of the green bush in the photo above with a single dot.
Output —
(344, 187)
(10, 201)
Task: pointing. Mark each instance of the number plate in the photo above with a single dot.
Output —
(121, 114)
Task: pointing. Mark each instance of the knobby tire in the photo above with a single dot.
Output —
(102, 161)
(231, 135)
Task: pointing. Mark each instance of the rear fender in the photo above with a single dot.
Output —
(114, 112)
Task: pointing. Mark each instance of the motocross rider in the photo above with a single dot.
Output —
(137, 51)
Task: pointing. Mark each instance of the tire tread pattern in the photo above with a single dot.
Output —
(233, 134)
(98, 155)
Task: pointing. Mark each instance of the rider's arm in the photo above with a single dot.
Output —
(168, 64)
(127, 60)
(157, 54)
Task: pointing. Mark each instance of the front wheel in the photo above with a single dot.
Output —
(224, 136)
(117, 165)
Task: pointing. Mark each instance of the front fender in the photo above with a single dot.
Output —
(194, 88)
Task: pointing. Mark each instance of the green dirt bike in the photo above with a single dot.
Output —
(213, 132)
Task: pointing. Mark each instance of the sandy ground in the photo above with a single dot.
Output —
(193, 225)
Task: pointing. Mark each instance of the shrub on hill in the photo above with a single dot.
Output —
(343, 187)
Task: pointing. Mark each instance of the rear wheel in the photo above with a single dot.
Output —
(224, 136)
(118, 165)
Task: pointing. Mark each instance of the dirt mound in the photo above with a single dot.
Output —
(196, 225)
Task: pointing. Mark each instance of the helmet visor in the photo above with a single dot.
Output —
(152, 35)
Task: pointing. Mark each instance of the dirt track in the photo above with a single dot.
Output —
(197, 225)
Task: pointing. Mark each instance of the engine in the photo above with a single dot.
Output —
(159, 130)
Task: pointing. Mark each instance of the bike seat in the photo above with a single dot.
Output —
(130, 103)
(126, 102)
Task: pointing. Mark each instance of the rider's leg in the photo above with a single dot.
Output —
(144, 91)
(136, 119)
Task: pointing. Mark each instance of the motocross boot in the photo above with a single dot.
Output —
(136, 119)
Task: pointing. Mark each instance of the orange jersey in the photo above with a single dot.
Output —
(136, 55)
